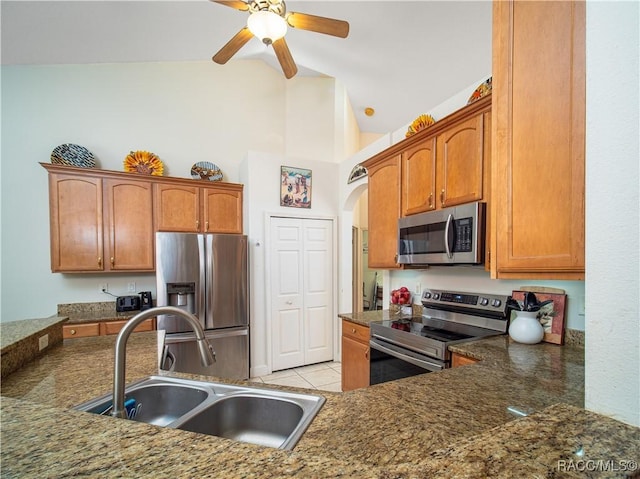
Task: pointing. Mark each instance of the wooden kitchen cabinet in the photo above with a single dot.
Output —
(194, 209)
(99, 224)
(443, 165)
(538, 222)
(105, 221)
(419, 178)
(458, 360)
(80, 330)
(355, 356)
(384, 211)
(102, 328)
(460, 162)
(129, 233)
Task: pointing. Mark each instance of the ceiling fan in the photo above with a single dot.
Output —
(268, 20)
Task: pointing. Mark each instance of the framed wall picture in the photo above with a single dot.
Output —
(295, 187)
(551, 316)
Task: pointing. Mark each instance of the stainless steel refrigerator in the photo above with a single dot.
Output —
(207, 275)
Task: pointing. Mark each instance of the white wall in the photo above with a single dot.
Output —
(261, 177)
(183, 112)
(612, 376)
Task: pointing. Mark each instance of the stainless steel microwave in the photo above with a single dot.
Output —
(443, 237)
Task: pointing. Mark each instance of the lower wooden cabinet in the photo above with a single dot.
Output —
(355, 356)
(460, 360)
(85, 330)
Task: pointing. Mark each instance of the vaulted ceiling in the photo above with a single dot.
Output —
(400, 58)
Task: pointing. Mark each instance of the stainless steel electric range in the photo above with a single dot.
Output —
(409, 346)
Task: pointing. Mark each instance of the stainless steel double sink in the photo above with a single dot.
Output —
(266, 417)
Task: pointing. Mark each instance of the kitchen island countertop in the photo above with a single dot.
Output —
(452, 423)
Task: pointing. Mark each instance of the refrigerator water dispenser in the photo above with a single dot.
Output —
(182, 295)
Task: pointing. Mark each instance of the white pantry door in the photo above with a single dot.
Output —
(301, 291)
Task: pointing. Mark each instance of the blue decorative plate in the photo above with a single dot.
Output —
(203, 170)
(73, 155)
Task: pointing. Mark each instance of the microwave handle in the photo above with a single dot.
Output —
(448, 237)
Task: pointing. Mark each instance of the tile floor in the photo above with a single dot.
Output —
(322, 376)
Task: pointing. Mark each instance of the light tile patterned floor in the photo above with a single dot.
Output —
(322, 376)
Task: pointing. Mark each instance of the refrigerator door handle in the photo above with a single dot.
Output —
(169, 357)
(202, 286)
(209, 281)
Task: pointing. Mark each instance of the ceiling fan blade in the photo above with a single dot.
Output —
(237, 4)
(328, 26)
(284, 57)
(232, 46)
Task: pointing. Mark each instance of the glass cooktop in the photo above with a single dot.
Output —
(419, 329)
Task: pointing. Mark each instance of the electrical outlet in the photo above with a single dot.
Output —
(418, 289)
(43, 342)
(131, 287)
(103, 287)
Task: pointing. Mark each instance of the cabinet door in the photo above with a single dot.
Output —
(222, 210)
(460, 156)
(384, 211)
(76, 223)
(458, 360)
(129, 225)
(419, 178)
(114, 327)
(82, 330)
(355, 364)
(177, 208)
(538, 139)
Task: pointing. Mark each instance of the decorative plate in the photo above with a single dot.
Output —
(357, 172)
(481, 91)
(203, 170)
(419, 123)
(73, 155)
(143, 162)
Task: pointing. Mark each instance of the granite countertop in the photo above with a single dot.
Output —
(453, 423)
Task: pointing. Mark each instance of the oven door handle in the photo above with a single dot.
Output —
(429, 366)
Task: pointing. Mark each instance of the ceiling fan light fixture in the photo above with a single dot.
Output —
(267, 26)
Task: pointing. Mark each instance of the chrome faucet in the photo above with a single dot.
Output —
(207, 354)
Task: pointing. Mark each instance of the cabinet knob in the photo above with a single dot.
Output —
(430, 201)
(366, 353)
(113, 261)
(206, 226)
(100, 261)
(72, 331)
(197, 225)
(442, 197)
(353, 330)
(289, 302)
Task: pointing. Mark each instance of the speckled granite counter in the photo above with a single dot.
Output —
(449, 424)
(20, 341)
(77, 313)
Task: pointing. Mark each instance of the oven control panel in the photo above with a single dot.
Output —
(477, 301)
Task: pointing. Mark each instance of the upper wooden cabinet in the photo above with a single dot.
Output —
(99, 224)
(538, 110)
(76, 225)
(419, 177)
(384, 211)
(444, 165)
(129, 238)
(214, 209)
(103, 221)
(460, 161)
